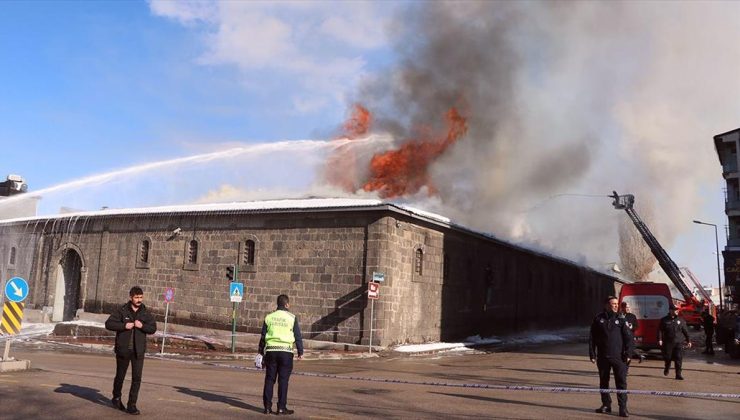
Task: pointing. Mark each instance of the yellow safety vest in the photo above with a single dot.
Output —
(279, 335)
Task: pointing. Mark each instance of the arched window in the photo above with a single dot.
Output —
(144, 251)
(193, 252)
(12, 256)
(419, 261)
(248, 256)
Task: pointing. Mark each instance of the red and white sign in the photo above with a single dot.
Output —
(373, 290)
(169, 295)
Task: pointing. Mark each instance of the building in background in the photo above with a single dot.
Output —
(441, 281)
(11, 208)
(727, 146)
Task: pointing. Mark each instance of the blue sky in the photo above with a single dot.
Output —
(91, 87)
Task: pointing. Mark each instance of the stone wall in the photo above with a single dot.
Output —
(469, 284)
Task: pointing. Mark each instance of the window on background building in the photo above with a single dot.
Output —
(489, 281)
(12, 256)
(419, 261)
(249, 247)
(193, 252)
(144, 251)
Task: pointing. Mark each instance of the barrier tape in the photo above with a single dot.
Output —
(550, 389)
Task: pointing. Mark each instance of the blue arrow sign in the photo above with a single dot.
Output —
(236, 291)
(16, 289)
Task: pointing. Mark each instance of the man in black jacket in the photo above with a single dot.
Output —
(708, 323)
(131, 322)
(671, 326)
(610, 346)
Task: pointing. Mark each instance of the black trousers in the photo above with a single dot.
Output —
(278, 365)
(673, 352)
(137, 369)
(708, 346)
(606, 365)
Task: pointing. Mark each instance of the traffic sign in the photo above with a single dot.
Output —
(373, 290)
(16, 289)
(169, 295)
(378, 277)
(12, 316)
(236, 291)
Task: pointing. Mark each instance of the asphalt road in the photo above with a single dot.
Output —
(69, 383)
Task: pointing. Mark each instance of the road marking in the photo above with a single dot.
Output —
(8, 380)
(48, 385)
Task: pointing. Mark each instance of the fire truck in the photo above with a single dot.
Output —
(654, 297)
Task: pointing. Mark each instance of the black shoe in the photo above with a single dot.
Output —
(284, 412)
(133, 410)
(604, 409)
(623, 412)
(268, 410)
(118, 404)
(642, 357)
(665, 371)
(679, 377)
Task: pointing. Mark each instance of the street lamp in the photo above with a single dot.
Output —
(716, 243)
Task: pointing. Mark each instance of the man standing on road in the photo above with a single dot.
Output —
(626, 312)
(670, 327)
(279, 332)
(131, 322)
(610, 346)
(708, 323)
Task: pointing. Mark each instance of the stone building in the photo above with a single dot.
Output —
(441, 281)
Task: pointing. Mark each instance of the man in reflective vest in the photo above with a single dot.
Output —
(279, 332)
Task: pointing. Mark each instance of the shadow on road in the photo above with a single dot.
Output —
(90, 394)
(208, 396)
(504, 401)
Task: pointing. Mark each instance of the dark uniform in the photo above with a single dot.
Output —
(671, 326)
(708, 321)
(631, 320)
(611, 344)
(130, 347)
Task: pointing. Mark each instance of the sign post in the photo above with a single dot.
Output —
(169, 296)
(16, 290)
(236, 292)
(373, 292)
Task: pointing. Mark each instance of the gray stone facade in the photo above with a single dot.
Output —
(442, 282)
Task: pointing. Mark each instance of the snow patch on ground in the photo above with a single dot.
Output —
(530, 337)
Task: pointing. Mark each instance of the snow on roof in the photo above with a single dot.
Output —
(244, 206)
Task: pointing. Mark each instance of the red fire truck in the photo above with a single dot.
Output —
(652, 298)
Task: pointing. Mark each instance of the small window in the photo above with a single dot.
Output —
(12, 256)
(419, 262)
(144, 251)
(248, 257)
(193, 252)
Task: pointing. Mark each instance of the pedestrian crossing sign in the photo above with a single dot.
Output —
(236, 291)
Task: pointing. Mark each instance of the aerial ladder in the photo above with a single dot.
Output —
(691, 307)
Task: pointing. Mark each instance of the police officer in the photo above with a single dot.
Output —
(631, 319)
(279, 332)
(708, 323)
(671, 326)
(610, 345)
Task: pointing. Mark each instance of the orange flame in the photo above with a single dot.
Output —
(341, 166)
(405, 171)
(358, 123)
